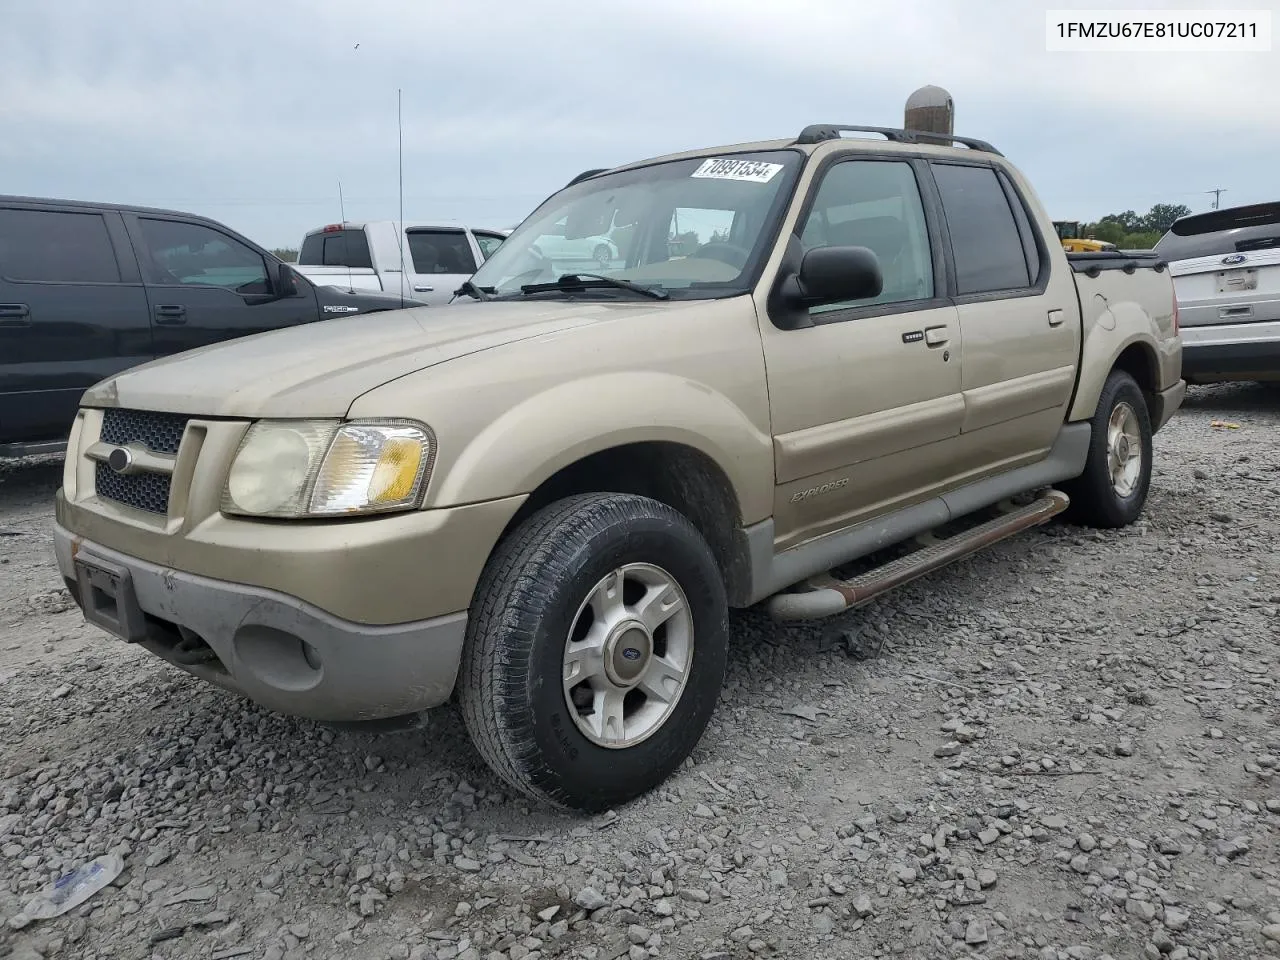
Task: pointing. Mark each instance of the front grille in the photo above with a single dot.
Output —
(146, 491)
(158, 432)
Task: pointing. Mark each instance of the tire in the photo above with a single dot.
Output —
(602, 254)
(534, 592)
(1097, 498)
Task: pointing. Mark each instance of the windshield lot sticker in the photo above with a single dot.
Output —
(755, 171)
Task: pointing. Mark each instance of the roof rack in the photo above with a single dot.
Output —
(818, 132)
(585, 175)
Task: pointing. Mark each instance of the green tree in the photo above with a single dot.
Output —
(1160, 218)
(287, 254)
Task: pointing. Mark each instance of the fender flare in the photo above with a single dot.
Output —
(512, 454)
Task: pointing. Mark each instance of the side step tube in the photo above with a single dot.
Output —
(826, 595)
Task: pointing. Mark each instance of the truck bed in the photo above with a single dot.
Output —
(354, 278)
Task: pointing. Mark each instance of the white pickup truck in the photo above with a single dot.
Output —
(430, 263)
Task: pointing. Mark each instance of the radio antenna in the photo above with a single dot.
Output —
(400, 151)
(342, 212)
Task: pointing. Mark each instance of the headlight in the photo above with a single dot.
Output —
(295, 468)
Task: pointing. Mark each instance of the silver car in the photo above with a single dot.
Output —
(1226, 276)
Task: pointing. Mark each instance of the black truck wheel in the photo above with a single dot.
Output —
(1113, 488)
(595, 650)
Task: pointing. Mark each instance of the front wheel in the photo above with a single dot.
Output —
(603, 254)
(1113, 488)
(595, 650)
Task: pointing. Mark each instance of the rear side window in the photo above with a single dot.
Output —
(55, 246)
(336, 248)
(440, 251)
(985, 242)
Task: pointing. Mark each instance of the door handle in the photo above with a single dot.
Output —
(935, 336)
(1056, 318)
(419, 289)
(171, 315)
(15, 315)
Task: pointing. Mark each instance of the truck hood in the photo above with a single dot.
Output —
(319, 369)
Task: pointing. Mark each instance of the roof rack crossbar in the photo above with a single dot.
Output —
(818, 132)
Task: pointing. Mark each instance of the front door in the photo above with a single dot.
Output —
(205, 285)
(866, 403)
(1019, 316)
(439, 261)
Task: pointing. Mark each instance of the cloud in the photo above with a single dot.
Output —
(252, 112)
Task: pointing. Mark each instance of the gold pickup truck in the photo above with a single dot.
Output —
(816, 368)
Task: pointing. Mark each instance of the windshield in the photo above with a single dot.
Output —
(691, 228)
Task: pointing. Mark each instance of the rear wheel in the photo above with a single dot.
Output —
(595, 650)
(603, 254)
(1117, 475)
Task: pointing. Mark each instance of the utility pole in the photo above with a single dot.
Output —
(1216, 194)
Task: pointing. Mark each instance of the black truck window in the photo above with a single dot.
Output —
(54, 246)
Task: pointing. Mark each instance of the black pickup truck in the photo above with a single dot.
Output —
(89, 289)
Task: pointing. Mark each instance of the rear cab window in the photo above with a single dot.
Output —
(56, 246)
(336, 248)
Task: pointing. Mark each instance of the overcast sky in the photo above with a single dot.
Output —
(251, 111)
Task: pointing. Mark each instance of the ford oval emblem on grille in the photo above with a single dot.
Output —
(1235, 258)
(630, 653)
(120, 459)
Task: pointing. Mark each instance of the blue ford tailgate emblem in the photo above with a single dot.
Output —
(1235, 258)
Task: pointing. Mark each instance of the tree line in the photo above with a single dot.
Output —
(1135, 231)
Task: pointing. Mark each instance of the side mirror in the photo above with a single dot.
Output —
(833, 274)
(284, 282)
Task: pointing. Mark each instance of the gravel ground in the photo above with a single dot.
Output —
(1063, 748)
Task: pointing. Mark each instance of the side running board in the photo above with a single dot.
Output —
(826, 595)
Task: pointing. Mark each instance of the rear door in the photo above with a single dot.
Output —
(72, 312)
(1020, 319)
(439, 259)
(205, 285)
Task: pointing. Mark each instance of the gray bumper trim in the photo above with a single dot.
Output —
(283, 653)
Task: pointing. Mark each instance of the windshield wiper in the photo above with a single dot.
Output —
(582, 281)
(471, 290)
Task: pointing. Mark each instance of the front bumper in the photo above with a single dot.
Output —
(1236, 351)
(281, 652)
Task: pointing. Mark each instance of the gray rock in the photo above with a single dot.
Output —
(987, 879)
(466, 865)
(1054, 822)
(862, 906)
(1086, 842)
(1142, 909)
(1176, 919)
(975, 933)
(988, 837)
(589, 898)
(951, 749)
(1124, 747)
(694, 895)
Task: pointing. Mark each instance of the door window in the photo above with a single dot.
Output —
(50, 245)
(192, 254)
(875, 204)
(985, 242)
(440, 251)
